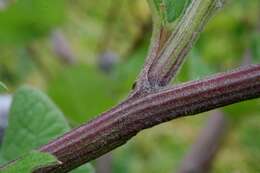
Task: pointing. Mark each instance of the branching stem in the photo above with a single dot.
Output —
(149, 103)
(115, 127)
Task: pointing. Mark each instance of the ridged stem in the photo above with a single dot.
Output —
(117, 126)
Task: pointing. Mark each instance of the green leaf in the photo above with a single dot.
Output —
(29, 162)
(169, 10)
(34, 120)
(24, 20)
(174, 8)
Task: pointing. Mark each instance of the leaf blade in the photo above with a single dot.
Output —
(30, 162)
(34, 120)
(26, 131)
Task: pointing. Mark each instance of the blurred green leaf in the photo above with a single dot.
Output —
(1, 159)
(87, 168)
(30, 162)
(250, 140)
(15, 64)
(198, 68)
(82, 92)
(27, 19)
(255, 47)
(126, 73)
(240, 111)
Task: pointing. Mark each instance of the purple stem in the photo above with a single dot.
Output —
(116, 126)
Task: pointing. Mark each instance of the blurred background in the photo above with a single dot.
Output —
(86, 55)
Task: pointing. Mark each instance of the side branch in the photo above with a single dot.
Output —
(169, 47)
(181, 40)
(115, 127)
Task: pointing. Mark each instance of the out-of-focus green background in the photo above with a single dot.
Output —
(86, 55)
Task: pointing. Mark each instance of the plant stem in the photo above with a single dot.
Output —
(169, 48)
(149, 105)
(115, 127)
(180, 41)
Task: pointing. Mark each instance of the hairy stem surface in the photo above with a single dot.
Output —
(115, 127)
